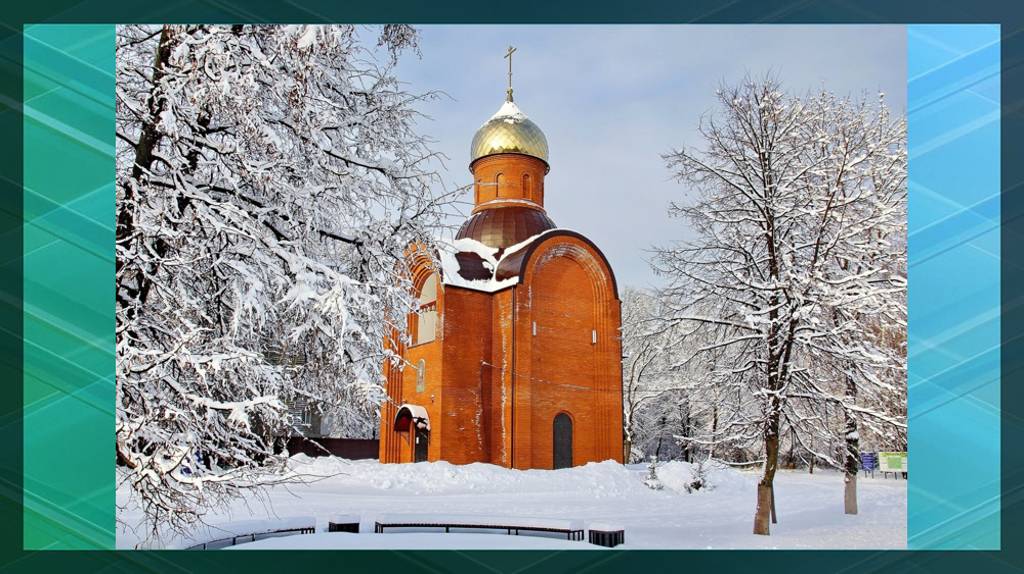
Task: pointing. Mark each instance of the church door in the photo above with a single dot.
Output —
(420, 448)
(562, 437)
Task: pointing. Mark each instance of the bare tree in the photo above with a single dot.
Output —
(799, 208)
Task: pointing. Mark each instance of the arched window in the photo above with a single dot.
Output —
(528, 187)
(500, 186)
(561, 437)
(421, 368)
(426, 317)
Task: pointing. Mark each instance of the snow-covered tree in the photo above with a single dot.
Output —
(269, 179)
(794, 284)
(642, 369)
(665, 397)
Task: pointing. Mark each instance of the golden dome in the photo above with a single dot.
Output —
(509, 131)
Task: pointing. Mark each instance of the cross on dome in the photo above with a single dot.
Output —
(508, 93)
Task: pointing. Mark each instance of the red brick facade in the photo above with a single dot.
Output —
(503, 364)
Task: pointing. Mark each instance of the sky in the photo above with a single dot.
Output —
(613, 99)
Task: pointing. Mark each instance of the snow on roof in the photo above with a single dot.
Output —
(508, 112)
(418, 413)
(416, 410)
(453, 273)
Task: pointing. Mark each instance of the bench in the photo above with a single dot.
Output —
(231, 533)
(572, 529)
(343, 523)
(606, 534)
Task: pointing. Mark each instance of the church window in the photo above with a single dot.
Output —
(421, 368)
(426, 317)
(500, 185)
(527, 187)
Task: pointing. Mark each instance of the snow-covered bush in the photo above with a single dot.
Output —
(699, 478)
(651, 481)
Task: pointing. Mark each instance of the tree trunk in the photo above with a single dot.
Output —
(763, 515)
(852, 451)
(775, 519)
(149, 137)
(714, 431)
(850, 499)
(791, 461)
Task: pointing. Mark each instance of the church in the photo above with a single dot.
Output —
(514, 357)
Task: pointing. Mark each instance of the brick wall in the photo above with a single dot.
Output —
(493, 385)
(573, 363)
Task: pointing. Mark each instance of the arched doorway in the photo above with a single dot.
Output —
(413, 419)
(562, 441)
(419, 451)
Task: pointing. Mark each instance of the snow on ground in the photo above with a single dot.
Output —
(810, 507)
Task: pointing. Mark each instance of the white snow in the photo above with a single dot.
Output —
(605, 526)
(469, 245)
(450, 265)
(223, 530)
(307, 38)
(418, 413)
(511, 249)
(810, 507)
(509, 112)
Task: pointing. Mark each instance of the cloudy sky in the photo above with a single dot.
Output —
(613, 99)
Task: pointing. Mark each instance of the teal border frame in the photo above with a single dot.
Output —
(1011, 205)
(68, 266)
(953, 105)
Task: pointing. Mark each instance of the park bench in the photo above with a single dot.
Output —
(343, 523)
(229, 534)
(572, 529)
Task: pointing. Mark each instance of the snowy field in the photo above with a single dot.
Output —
(810, 507)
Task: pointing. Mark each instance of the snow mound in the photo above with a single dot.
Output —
(675, 475)
(602, 479)
(599, 479)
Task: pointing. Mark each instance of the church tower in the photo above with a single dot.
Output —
(514, 357)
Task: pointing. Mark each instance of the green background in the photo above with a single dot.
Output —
(68, 300)
(68, 234)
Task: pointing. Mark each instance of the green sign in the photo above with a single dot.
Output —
(892, 461)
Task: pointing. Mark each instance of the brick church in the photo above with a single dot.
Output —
(514, 357)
